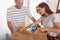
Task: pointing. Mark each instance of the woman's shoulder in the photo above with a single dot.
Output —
(56, 17)
(56, 14)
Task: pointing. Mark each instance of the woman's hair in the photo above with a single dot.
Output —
(47, 9)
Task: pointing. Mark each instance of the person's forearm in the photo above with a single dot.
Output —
(29, 26)
(57, 30)
(35, 23)
(33, 19)
(10, 26)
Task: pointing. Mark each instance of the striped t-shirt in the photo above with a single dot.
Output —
(17, 16)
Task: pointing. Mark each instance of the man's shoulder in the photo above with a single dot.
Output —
(11, 7)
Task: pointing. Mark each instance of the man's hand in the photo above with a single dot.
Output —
(21, 29)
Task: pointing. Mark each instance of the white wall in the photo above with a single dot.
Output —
(33, 4)
(4, 4)
(52, 4)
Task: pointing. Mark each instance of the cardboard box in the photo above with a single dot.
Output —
(26, 35)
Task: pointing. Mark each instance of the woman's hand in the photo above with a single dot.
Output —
(43, 29)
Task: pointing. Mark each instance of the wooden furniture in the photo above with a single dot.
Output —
(26, 35)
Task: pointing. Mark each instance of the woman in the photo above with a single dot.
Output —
(50, 21)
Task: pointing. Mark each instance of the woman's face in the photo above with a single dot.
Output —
(40, 10)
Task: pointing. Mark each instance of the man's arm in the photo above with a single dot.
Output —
(34, 22)
(10, 26)
(29, 26)
(33, 19)
(9, 20)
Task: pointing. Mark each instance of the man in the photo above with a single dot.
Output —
(16, 16)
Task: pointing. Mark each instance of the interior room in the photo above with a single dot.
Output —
(5, 33)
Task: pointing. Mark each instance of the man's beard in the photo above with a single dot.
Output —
(43, 15)
(18, 6)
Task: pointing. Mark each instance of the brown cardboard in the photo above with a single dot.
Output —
(26, 35)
